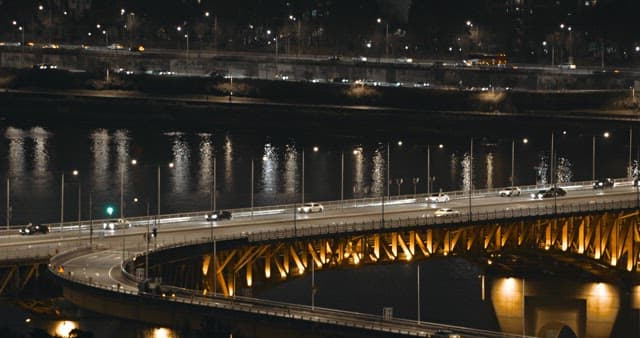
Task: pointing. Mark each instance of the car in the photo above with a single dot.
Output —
(422, 84)
(115, 46)
(138, 49)
(44, 66)
(51, 45)
(551, 192)
(509, 192)
(438, 197)
(31, 229)
(310, 207)
(603, 183)
(446, 212)
(359, 59)
(217, 215)
(404, 60)
(567, 66)
(120, 223)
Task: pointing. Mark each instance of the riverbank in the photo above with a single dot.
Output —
(122, 108)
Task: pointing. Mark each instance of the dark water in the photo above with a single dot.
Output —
(34, 157)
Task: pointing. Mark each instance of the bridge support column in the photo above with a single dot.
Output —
(588, 309)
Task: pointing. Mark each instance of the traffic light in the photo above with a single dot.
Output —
(110, 210)
(154, 232)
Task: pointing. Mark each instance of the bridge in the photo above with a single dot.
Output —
(591, 232)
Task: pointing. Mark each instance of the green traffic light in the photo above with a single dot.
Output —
(110, 210)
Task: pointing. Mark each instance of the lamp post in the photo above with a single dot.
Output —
(170, 165)
(133, 162)
(215, 29)
(415, 182)
(148, 239)
(252, 170)
(418, 290)
(106, 37)
(470, 177)
(8, 203)
(513, 156)
(315, 150)
(429, 178)
(342, 179)
(593, 154)
(399, 182)
(61, 204)
(76, 173)
(214, 187)
(386, 36)
(91, 218)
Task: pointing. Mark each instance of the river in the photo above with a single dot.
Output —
(38, 160)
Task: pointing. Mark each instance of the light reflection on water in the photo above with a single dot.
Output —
(33, 159)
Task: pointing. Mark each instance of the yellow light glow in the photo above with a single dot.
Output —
(249, 281)
(614, 261)
(162, 333)
(63, 328)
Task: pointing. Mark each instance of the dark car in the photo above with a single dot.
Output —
(31, 229)
(603, 183)
(217, 215)
(551, 192)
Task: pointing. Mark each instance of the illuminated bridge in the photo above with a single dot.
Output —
(592, 236)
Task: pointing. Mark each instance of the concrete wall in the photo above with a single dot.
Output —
(590, 310)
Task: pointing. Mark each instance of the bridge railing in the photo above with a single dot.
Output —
(433, 221)
(271, 308)
(157, 220)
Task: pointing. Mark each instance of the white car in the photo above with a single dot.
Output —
(117, 224)
(446, 212)
(438, 197)
(509, 192)
(310, 207)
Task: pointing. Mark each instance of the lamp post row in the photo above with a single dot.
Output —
(429, 182)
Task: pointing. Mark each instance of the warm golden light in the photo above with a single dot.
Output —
(63, 328)
(162, 333)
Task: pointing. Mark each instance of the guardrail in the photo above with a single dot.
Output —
(279, 309)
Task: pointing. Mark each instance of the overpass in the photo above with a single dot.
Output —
(593, 232)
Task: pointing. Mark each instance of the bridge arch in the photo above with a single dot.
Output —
(556, 330)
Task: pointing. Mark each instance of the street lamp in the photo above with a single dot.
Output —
(399, 181)
(429, 178)
(605, 135)
(133, 162)
(76, 173)
(170, 165)
(315, 150)
(386, 37)
(8, 203)
(61, 203)
(415, 182)
(513, 155)
(106, 37)
(148, 239)
(388, 182)
(470, 177)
